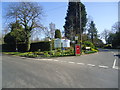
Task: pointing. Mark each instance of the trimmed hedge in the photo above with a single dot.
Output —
(8, 47)
(42, 46)
(22, 47)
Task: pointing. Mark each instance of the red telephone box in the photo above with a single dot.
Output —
(77, 49)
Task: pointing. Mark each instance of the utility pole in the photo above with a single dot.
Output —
(16, 29)
(80, 28)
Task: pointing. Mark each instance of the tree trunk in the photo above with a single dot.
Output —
(27, 42)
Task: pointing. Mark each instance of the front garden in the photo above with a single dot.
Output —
(37, 52)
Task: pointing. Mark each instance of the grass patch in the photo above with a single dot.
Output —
(89, 52)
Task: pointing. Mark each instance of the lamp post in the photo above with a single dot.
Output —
(50, 45)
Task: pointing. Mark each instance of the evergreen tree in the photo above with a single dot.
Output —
(16, 35)
(72, 22)
(92, 32)
(57, 34)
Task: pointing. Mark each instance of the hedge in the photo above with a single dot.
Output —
(8, 47)
(42, 46)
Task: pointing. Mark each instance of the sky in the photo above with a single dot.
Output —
(104, 14)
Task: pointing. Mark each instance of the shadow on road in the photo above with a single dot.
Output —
(117, 55)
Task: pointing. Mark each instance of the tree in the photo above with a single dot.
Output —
(92, 32)
(114, 37)
(105, 35)
(9, 39)
(52, 30)
(72, 23)
(116, 27)
(28, 14)
(16, 35)
(46, 32)
(57, 34)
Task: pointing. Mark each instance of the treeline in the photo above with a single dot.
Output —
(112, 36)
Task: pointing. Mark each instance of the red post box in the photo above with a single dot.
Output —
(77, 49)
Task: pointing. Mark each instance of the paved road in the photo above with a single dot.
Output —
(98, 70)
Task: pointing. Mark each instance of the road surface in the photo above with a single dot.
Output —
(99, 70)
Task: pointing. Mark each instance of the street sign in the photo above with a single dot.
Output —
(57, 43)
(76, 37)
(66, 43)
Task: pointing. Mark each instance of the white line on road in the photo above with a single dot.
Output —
(103, 66)
(47, 59)
(114, 63)
(91, 65)
(56, 60)
(71, 62)
(81, 63)
(116, 67)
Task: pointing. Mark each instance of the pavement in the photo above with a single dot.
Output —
(99, 70)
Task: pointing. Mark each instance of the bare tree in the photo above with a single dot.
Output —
(46, 32)
(116, 27)
(28, 14)
(52, 30)
(105, 35)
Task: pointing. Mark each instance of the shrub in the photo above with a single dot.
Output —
(87, 44)
(28, 54)
(46, 54)
(92, 49)
(58, 54)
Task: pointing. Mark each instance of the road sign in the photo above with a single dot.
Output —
(57, 43)
(66, 43)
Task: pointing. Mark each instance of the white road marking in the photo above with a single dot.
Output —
(116, 67)
(47, 59)
(103, 66)
(91, 65)
(114, 63)
(71, 62)
(56, 60)
(81, 63)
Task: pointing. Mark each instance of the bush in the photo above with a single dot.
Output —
(46, 54)
(92, 49)
(87, 44)
(28, 54)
